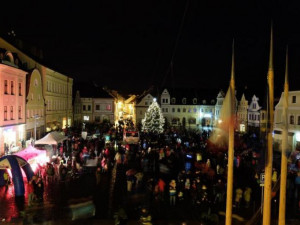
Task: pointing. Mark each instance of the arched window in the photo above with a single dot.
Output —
(184, 101)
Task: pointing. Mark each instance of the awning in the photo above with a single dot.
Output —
(52, 138)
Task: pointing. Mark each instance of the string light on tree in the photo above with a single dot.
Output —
(154, 120)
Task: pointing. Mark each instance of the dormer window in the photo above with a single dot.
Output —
(184, 101)
(173, 100)
(204, 102)
(195, 101)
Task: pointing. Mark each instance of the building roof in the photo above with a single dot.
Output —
(90, 89)
(192, 93)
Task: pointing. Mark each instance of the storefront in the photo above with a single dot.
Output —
(12, 138)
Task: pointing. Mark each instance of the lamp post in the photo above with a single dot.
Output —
(36, 116)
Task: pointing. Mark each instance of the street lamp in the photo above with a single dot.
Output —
(36, 116)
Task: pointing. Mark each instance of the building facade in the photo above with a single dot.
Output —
(58, 97)
(142, 107)
(293, 121)
(12, 104)
(242, 115)
(57, 90)
(254, 113)
(103, 110)
(189, 110)
(87, 110)
(35, 106)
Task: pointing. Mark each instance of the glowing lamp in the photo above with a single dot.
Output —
(220, 121)
(154, 99)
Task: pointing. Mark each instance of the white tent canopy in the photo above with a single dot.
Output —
(52, 138)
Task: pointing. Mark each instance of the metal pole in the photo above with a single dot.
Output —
(230, 146)
(283, 176)
(269, 158)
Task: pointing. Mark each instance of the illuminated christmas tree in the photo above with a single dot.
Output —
(154, 120)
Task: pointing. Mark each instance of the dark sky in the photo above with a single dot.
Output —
(129, 44)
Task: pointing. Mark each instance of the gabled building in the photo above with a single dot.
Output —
(254, 112)
(242, 115)
(35, 106)
(218, 106)
(142, 106)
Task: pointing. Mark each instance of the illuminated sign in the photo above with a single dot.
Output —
(297, 136)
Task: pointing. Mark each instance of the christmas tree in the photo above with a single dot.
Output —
(154, 120)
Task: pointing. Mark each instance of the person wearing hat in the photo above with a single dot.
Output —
(172, 191)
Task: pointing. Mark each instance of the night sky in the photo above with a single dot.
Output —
(129, 44)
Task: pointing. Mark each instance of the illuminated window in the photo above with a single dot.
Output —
(6, 87)
(108, 107)
(20, 89)
(292, 119)
(5, 112)
(20, 112)
(86, 118)
(11, 112)
(12, 88)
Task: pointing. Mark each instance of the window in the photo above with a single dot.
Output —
(89, 107)
(5, 87)
(11, 112)
(178, 110)
(5, 112)
(195, 110)
(108, 107)
(146, 103)
(173, 101)
(163, 110)
(83, 107)
(298, 120)
(20, 112)
(292, 119)
(195, 101)
(20, 89)
(97, 118)
(163, 100)
(166, 110)
(254, 105)
(12, 88)
(294, 99)
(184, 101)
(184, 110)
(167, 100)
(97, 107)
(173, 110)
(36, 82)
